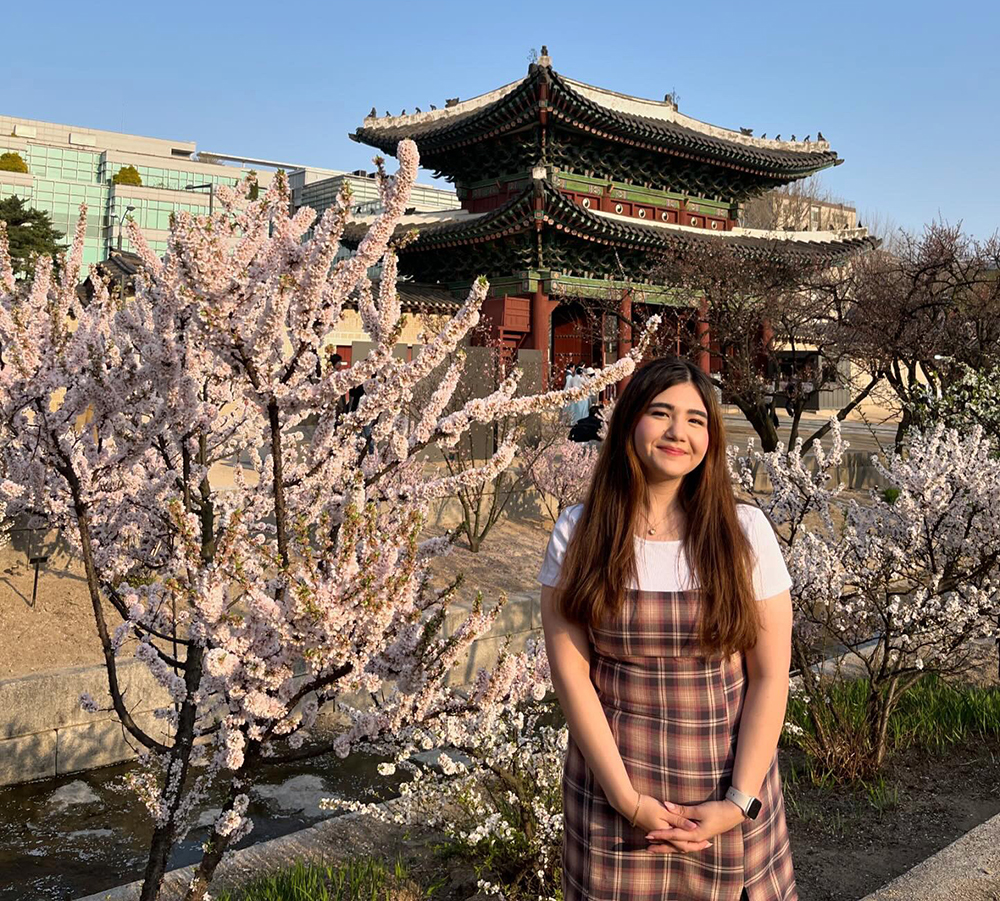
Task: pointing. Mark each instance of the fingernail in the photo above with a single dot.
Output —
(670, 806)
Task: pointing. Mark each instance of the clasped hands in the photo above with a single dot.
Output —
(678, 827)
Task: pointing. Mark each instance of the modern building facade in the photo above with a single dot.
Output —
(69, 165)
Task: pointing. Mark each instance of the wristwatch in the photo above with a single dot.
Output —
(747, 803)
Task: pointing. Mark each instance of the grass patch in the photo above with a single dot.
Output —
(930, 714)
(934, 715)
(357, 879)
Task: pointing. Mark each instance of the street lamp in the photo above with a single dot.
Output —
(121, 219)
(211, 193)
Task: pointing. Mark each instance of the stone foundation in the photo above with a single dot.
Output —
(45, 733)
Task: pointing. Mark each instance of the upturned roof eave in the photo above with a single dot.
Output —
(441, 130)
(518, 215)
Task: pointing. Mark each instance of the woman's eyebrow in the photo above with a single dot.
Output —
(670, 407)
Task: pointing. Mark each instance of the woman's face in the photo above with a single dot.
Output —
(671, 436)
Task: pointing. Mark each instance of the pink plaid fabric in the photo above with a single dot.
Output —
(675, 717)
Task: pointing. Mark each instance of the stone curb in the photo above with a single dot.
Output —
(335, 839)
(966, 870)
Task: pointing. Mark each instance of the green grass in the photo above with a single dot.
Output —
(931, 714)
(934, 715)
(358, 879)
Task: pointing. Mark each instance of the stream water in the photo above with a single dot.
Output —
(74, 835)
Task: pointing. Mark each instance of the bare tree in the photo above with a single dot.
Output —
(917, 312)
(806, 205)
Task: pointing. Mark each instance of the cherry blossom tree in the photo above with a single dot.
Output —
(561, 475)
(916, 568)
(296, 579)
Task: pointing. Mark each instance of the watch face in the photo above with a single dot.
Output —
(753, 809)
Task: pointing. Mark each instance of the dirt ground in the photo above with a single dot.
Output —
(843, 848)
(51, 625)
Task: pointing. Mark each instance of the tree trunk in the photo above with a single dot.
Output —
(905, 421)
(156, 864)
(757, 415)
(164, 835)
(877, 711)
(217, 844)
(217, 847)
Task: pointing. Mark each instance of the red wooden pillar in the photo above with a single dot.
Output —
(540, 329)
(701, 331)
(624, 333)
(766, 339)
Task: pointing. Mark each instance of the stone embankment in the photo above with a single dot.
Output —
(45, 733)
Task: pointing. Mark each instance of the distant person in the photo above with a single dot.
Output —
(588, 428)
(580, 407)
(569, 381)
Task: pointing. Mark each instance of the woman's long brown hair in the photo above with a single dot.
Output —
(600, 560)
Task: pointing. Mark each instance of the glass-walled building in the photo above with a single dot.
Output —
(68, 165)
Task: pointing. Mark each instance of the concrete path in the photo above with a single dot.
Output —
(330, 841)
(860, 435)
(966, 870)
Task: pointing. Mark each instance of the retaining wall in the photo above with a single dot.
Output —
(45, 733)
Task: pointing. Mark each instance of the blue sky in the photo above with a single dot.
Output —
(905, 92)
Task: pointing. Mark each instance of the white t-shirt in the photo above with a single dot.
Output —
(663, 565)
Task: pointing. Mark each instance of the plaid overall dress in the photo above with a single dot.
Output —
(675, 717)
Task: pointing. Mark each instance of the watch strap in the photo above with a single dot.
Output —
(747, 803)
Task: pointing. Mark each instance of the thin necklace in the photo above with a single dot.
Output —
(650, 528)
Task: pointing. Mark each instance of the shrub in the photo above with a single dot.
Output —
(128, 175)
(499, 799)
(931, 714)
(12, 162)
(906, 582)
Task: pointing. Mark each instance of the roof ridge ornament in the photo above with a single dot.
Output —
(545, 60)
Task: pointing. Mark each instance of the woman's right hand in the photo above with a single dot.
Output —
(655, 815)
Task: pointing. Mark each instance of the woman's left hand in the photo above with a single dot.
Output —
(713, 818)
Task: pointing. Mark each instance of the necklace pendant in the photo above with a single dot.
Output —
(652, 531)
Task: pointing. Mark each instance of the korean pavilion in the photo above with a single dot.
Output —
(563, 185)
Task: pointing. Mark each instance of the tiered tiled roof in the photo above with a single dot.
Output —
(620, 118)
(557, 212)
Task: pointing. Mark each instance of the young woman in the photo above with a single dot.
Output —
(667, 621)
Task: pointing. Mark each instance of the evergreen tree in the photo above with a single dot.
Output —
(30, 234)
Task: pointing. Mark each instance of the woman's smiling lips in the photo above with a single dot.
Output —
(675, 451)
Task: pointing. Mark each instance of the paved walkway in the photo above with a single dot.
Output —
(966, 870)
(332, 840)
(860, 436)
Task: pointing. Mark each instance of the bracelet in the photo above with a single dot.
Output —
(634, 815)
